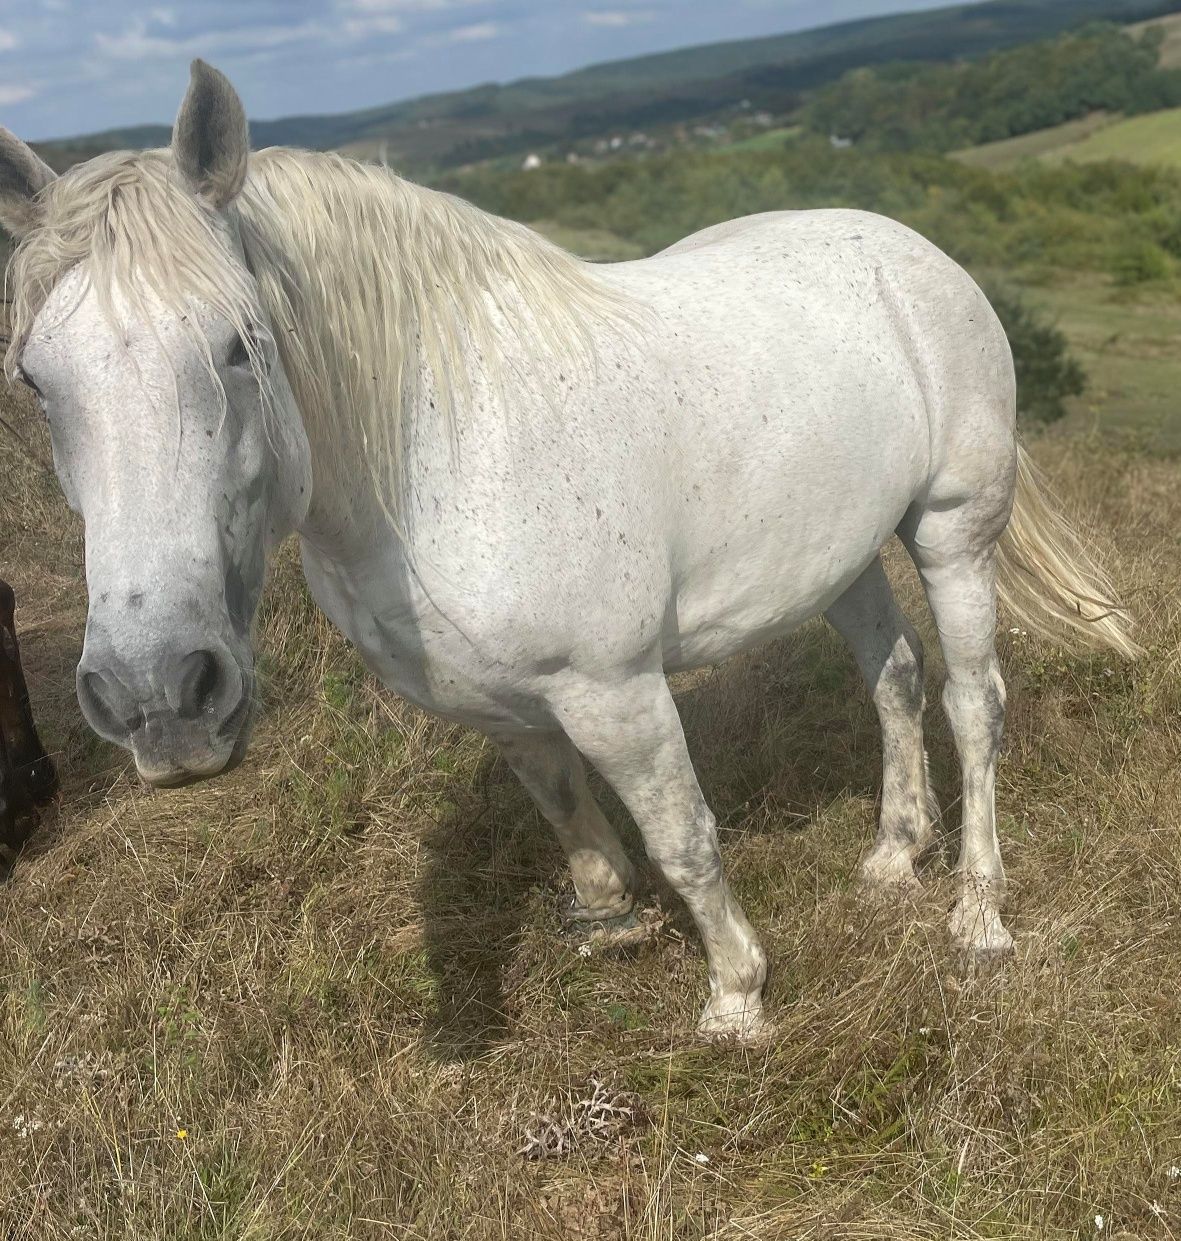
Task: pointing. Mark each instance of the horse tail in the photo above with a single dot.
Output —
(1048, 580)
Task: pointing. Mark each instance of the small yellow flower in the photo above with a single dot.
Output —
(182, 1134)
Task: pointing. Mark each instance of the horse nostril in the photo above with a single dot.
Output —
(197, 684)
(109, 704)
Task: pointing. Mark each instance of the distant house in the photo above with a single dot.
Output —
(531, 162)
(840, 143)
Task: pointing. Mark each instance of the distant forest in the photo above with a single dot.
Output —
(911, 106)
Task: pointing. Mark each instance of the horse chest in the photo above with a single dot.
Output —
(439, 663)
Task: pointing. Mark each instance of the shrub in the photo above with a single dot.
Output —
(1139, 262)
(1047, 372)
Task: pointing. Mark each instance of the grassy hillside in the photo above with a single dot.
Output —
(1170, 23)
(1153, 139)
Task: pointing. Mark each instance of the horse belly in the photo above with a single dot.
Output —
(794, 496)
(762, 585)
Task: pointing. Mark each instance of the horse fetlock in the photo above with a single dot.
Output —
(603, 886)
(975, 923)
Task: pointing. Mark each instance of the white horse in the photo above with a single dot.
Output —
(527, 487)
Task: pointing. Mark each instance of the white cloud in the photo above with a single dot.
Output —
(13, 92)
(8, 41)
(136, 41)
(473, 34)
(373, 25)
(616, 17)
(409, 6)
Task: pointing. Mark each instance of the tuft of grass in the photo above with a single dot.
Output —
(325, 995)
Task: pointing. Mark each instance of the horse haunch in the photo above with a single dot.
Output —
(27, 776)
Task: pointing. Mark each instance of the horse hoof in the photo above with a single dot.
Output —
(887, 878)
(592, 936)
(981, 938)
(743, 1023)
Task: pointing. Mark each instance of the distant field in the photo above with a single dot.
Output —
(1170, 57)
(1037, 145)
(596, 244)
(1131, 351)
(1151, 139)
(768, 140)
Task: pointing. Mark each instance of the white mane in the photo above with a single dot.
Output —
(370, 282)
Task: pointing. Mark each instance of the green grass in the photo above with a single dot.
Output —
(769, 140)
(1154, 138)
(1130, 348)
(1151, 139)
(1036, 145)
(597, 244)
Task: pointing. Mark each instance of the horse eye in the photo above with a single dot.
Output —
(239, 353)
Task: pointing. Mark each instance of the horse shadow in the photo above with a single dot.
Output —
(776, 736)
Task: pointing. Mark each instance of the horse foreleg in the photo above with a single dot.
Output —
(630, 730)
(552, 770)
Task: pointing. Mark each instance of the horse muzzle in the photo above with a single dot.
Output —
(185, 712)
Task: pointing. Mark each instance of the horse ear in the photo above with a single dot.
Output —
(211, 140)
(22, 177)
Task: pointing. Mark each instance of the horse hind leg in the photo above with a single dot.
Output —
(890, 656)
(954, 549)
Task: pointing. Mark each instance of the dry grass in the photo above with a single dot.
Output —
(327, 997)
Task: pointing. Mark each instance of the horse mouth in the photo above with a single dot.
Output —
(178, 775)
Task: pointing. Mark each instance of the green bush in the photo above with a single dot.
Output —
(1138, 262)
(1047, 372)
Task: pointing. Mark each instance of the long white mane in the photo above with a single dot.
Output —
(372, 285)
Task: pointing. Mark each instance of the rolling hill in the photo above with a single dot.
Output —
(668, 88)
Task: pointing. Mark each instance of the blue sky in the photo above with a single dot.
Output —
(74, 66)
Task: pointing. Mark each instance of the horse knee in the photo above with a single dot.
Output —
(687, 854)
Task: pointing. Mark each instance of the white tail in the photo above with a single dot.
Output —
(1047, 579)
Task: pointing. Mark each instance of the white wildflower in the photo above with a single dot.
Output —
(584, 950)
(1157, 1209)
(701, 1158)
(1174, 1172)
(1098, 1223)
